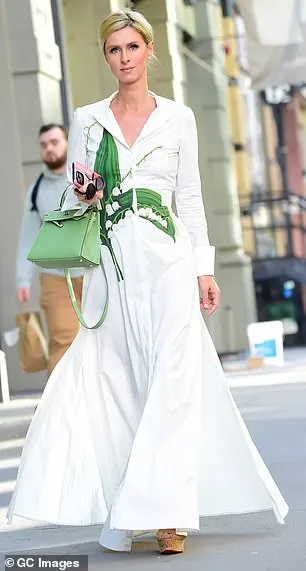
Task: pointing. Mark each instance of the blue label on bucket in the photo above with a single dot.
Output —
(266, 349)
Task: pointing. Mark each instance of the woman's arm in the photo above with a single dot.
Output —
(189, 200)
(190, 209)
(76, 152)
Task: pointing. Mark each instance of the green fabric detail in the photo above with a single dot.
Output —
(146, 198)
(107, 165)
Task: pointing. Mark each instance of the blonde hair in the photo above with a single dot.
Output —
(121, 19)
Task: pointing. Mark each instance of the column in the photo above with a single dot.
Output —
(29, 96)
(90, 77)
(207, 95)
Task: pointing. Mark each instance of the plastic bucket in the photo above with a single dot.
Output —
(266, 340)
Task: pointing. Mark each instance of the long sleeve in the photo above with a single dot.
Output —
(189, 200)
(29, 229)
(76, 152)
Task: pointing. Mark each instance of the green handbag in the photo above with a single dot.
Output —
(70, 240)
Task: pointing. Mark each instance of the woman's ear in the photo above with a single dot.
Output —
(151, 49)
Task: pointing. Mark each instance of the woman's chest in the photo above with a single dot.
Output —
(132, 125)
(155, 154)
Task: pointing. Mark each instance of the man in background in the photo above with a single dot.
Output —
(42, 197)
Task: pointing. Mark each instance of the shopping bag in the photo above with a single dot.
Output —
(33, 348)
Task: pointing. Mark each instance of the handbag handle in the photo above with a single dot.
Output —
(75, 305)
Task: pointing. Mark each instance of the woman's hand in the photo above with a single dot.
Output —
(209, 294)
(82, 198)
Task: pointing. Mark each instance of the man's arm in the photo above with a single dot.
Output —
(30, 226)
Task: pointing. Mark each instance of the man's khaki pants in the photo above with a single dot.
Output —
(61, 320)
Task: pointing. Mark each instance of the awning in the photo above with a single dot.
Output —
(293, 268)
(276, 41)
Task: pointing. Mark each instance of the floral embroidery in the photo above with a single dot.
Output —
(117, 205)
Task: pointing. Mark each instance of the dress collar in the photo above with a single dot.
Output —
(104, 115)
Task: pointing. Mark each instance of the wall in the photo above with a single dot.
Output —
(29, 96)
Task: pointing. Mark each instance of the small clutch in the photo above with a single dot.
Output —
(86, 182)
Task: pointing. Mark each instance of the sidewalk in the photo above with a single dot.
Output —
(293, 371)
(292, 356)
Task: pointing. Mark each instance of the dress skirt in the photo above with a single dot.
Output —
(136, 426)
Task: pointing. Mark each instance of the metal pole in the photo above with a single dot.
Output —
(4, 385)
(59, 39)
(235, 99)
(283, 165)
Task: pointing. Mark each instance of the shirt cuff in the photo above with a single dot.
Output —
(205, 260)
(23, 283)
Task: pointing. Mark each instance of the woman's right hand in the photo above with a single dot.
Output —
(82, 198)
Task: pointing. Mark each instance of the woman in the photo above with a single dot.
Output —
(136, 428)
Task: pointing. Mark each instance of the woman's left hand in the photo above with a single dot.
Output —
(209, 294)
(82, 197)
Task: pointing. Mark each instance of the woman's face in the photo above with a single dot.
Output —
(127, 54)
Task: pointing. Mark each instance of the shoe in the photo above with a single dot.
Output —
(169, 542)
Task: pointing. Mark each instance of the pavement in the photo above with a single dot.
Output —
(273, 402)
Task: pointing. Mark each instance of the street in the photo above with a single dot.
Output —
(274, 406)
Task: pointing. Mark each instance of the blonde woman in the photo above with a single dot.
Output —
(136, 428)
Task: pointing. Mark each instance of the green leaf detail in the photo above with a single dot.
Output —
(107, 163)
(141, 161)
(146, 198)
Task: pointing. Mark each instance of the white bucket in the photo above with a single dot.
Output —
(266, 340)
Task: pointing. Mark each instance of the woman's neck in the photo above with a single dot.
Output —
(132, 97)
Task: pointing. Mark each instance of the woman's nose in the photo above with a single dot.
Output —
(124, 56)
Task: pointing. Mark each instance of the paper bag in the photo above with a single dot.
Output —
(33, 348)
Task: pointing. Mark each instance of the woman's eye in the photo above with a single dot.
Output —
(133, 47)
(114, 50)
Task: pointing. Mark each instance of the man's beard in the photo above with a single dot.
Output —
(56, 163)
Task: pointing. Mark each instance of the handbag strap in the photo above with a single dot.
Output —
(75, 305)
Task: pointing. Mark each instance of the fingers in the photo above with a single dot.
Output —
(20, 297)
(210, 300)
(204, 299)
(214, 295)
(23, 295)
(212, 308)
(205, 303)
(82, 196)
(26, 296)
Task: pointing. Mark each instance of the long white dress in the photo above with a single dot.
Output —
(136, 427)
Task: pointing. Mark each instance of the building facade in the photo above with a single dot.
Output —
(279, 231)
(51, 64)
(273, 212)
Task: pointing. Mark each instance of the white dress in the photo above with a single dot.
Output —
(136, 427)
